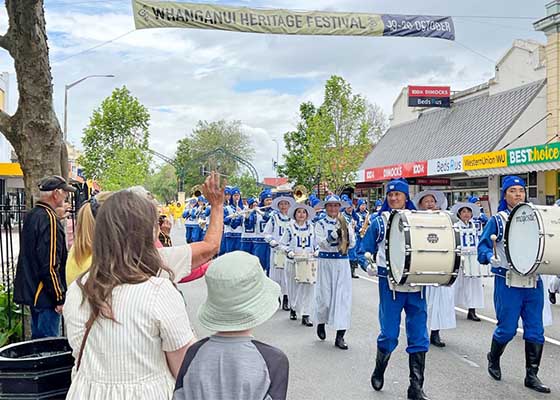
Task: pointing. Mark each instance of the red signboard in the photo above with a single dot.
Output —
(433, 181)
(429, 91)
(406, 170)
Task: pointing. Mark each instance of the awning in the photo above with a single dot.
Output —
(516, 169)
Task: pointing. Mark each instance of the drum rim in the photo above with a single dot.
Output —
(540, 251)
(407, 255)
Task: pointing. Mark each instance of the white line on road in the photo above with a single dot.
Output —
(464, 359)
(482, 317)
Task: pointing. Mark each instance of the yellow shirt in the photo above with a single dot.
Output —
(73, 270)
(178, 212)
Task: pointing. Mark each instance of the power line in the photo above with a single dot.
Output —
(476, 52)
(94, 47)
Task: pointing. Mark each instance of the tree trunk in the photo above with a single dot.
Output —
(33, 130)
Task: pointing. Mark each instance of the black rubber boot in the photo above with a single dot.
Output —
(285, 305)
(496, 351)
(533, 355)
(472, 315)
(305, 320)
(293, 315)
(416, 364)
(353, 266)
(435, 339)
(552, 297)
(321, 331)
(377, 377)
(339, 341)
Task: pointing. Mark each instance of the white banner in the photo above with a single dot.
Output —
(445, 166)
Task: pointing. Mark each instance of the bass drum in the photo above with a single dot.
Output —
(532, 239)
(422, 248)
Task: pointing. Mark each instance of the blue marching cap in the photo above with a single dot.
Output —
(345, 197)
(398, 185)
(378, 203)
(201, 198)
(314, 201)
(360, 202)
(235, 190)
(474, 199)
(510, 181)
(227, 190)
(265, 194)
(251, 201)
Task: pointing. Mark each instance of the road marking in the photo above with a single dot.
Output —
(482, 317)
(464, 359)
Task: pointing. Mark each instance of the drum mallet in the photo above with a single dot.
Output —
(494, 238)
(369, 258)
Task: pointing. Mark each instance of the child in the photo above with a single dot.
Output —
(231, 364)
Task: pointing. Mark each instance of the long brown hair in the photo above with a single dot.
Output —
(124, 250)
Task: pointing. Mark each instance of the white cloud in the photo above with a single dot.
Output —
(187, 75)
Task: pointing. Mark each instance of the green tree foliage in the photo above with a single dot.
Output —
(116, 142)
(196, 150)
(246, 183)
(334, 139)
(297, 164)
(162, 183)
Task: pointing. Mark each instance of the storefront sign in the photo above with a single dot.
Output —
(429, 96)
(444, 166)
(495, 159)
(535, 154)
(166, 14)
(406, 170)
(433, 181)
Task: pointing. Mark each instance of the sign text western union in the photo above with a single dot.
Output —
(495, 159)
(163, 14)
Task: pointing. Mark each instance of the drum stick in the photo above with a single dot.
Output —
(494, 238)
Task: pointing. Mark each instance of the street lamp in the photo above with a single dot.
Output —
(277, 154)
(69, 86)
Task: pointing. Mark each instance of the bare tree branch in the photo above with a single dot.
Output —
(6, 125)
(6, 42)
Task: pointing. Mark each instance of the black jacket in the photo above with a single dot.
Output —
(41, 270)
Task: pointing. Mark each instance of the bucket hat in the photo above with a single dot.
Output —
(471, 206)
(334, 199)
(441, 200)
(277, 200)
(240, 295)
(310, 211)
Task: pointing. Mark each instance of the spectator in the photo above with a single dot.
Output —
(231, 364)
(165, 231)
(40, 276)
(126, 322)
(79, 257)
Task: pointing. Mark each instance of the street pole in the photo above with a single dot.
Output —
(277, 155)
(68, 87)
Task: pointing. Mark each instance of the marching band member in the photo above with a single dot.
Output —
(178, 213)
(378, 205)
(198, 213)
(352, 220)
(227, 228)
(299, 241)
(512, 302)
(469, 291)
(333, 291)
(190, 220)
(234, 221)
(259, 219)
(392, 301)
(361, 228)
(482, 219)
(273, 231)
(553, 288)
(440, 299)
(248, 234)
(315, 202)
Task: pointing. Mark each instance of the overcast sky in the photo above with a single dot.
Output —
(185, 75)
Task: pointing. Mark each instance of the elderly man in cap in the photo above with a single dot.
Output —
(40, 273)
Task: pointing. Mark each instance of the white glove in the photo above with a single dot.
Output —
(273, 243)
(316, 253)
(291, 254)
(496, 261)
(334, 235)
(372, 269)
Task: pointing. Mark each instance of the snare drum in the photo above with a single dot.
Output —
(422, 248)
(306, 270)
(532, 238)
(279, 258)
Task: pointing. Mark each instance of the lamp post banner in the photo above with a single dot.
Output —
(164, 14)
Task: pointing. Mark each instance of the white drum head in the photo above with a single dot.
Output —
(523, 239)
(397, 246)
